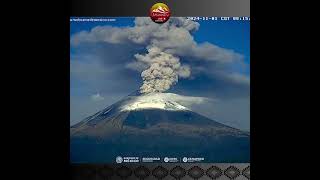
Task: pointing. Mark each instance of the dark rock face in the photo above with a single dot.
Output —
(156, 133)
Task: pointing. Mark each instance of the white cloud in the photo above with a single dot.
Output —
(238, 78)
(97, 97)
(187, 101)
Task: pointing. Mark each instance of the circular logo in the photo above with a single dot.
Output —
(119, 159)
(159, 13)
(166, 159)
(185, 159)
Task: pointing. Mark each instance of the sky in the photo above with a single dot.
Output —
(107, 58)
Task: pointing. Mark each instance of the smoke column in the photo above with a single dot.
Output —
(163, 72)
(163, 68)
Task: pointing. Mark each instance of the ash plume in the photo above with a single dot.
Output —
(164, 70)
(162, 67)
(166, 44)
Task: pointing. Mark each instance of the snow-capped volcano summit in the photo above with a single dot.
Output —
(153, 104)
(164, 101)
(155, 125)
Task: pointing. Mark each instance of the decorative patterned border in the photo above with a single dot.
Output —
(180, 171)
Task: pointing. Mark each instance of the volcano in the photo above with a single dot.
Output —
(154, 125)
